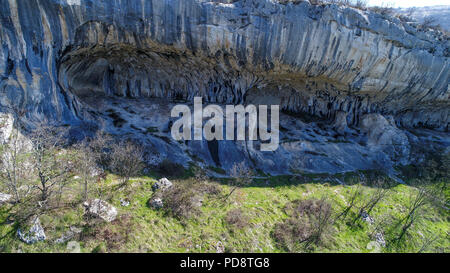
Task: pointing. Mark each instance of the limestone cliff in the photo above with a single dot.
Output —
(317, 59)
(57, 56)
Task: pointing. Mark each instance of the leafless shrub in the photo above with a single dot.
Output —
(101, 147)
(430, 22)
(114, 236)
(241, 176)
(368, 204)
(209, 188)
(127, 160)
(86, 165)
(235, 218)
(179, 201)
(309, 224)
(424, 195)
(386, 9)
(355, 197)
(52, 165)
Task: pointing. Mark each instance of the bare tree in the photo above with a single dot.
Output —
(309, 223)
(430, 22)
(420, 198)
(369, 204)
(51, 164)
(86, 165)
(241, 176)
(321, 223)
(427, 243)
(355, 196)
(127, 160)
(101, 145)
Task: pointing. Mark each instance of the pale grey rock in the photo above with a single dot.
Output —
(367, 218)
(162, 184)
(70, 61)
(220, 248)
(124, 202)
(379, 238)
(101, 209)
(5, 198)
(383, 133)
(7, 122)
(35, 233)
(68, 235)
(156, 203)
(358, 61)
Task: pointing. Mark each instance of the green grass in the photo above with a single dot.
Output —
(263, 202)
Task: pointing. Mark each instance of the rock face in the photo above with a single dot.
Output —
(101, 209)
(72, 61)
(35, 233)
(162, 184)
(314, 58)
(4, 198)
(385, 135)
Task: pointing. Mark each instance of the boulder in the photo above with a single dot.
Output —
(69, 235)
(124, 202)
(35, 233)
(220, 248)
(101, 209)
(382, 132)
(156, 203)
(162, 184)
(5, 198)
(379, 238)
(366, 218)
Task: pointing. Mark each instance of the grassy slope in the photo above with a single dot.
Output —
(263, 202)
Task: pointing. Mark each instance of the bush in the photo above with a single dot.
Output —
(383, 10)
(127, 160)
(309, 224)
(113, 237)
(236, 219)
(180, 202)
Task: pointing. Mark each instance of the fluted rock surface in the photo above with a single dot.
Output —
(317, 59)
(69, 60)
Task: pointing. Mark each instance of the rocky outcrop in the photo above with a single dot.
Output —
(384, 134)
(313, 58)
(162, 184)
(101, 209)
(124, 63)
(156, 203)
(35, 233)
(5, 198)
(69, 235)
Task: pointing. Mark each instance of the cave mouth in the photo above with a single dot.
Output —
(131, 91)
(129, 72)
(164, 72)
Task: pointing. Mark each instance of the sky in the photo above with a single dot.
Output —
(409, 3)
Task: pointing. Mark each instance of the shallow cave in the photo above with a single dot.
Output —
(131, 91)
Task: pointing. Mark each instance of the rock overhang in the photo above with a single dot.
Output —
(320, 60)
